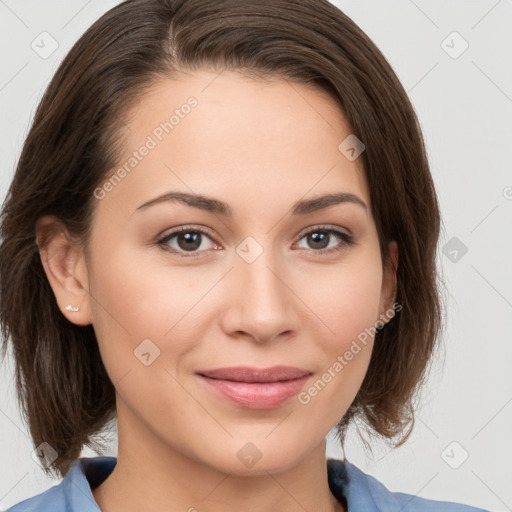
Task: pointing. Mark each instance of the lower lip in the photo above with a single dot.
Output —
(256, 395)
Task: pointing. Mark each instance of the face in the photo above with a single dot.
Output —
(251, 280)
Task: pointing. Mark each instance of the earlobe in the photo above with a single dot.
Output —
(64, 264)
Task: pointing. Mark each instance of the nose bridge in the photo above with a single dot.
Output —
(258, 267)
(262, 296)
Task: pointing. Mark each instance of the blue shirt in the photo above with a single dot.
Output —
(363, 492)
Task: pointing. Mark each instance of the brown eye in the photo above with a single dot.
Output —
(185, 240)
(318, 240)
(189, 241)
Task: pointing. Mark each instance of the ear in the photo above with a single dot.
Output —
(65, 267)
(388, 291)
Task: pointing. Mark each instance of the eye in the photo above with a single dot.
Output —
(321, 236)
(188, 239)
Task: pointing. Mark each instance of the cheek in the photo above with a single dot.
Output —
(347, 299)
(136, 300)
(133, 294)
(348, 313)
(345, 350)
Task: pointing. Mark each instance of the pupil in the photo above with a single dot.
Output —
(192, 241)
(318, 239)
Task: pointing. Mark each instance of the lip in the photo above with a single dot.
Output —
(251, 374)
(255, 388)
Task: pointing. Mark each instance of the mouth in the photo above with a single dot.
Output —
(253, 388)
(249, 374)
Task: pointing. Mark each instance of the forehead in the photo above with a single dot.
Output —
(236, 137)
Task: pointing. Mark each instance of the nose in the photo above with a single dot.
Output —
(261, 304)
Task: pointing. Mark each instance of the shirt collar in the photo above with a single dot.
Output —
(86, 474)
(345, 480)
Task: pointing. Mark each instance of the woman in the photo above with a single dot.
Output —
(229, 214)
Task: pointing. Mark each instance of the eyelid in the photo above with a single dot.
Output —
(320, 227)
(347, 240)
(162, 239)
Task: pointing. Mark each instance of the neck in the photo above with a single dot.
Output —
(150, 475)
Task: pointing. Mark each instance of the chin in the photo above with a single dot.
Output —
(275, 465)
(254, 459)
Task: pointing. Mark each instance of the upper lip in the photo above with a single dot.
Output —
(250, 374)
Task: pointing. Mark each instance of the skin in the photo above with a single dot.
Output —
(259, 146)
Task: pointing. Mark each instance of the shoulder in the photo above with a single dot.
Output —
(73, 493)
(365, 492)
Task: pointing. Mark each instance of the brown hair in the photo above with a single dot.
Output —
(74, 140)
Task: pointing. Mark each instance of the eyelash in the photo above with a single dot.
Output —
(347, 240)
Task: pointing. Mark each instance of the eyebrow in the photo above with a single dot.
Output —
(212, 205)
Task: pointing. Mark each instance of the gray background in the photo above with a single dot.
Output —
(464, 102)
